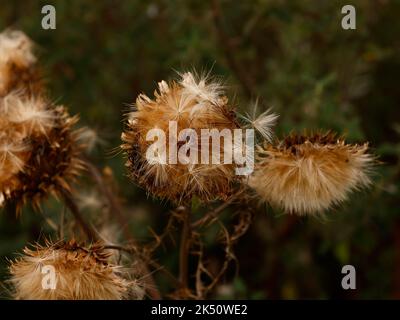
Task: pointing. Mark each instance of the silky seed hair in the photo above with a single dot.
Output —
(40, 152)
(81, 273)
(310, 173)
(196, 103)
(18, 68)
(262, 123)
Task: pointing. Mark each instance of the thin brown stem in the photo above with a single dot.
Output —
(116, 209)
(114, 205)
(73, 208)
(154, 264)
(213, 214)
(184, 250)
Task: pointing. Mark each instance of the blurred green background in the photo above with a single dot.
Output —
(292, 55)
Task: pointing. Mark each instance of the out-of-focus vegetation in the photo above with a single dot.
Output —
(292, 55)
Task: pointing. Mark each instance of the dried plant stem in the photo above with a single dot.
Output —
(154, 264)
(151, 286)
(184, 250)
(213, 214)
(73, 208)
(116, 210)
(115, 206)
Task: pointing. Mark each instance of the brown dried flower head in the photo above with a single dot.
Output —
(306, 174)
(17, 64)
(80, 274)
(39, 150)
(195, 103)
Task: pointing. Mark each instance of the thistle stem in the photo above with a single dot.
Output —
(153, 263)
(73, 208)
(213, 214)
(185, 248)
(115, 208)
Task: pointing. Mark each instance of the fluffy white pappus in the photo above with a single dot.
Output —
(263, 123)
(31, 112)
(158, 171)
(201, 87)
(181, 105)
(163, 87)
(90, 138)
(15, 46)
(89, 200)
(10, 152)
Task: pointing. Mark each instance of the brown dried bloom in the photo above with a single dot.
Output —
(193, 103)
(80, 274)
(306, 174)
(39, 150)
(17, 64)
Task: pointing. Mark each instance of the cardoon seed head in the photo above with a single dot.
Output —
(192, 102)
(306, 174)
(39, 149)
(80, 273)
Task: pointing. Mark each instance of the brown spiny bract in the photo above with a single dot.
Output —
(80, 273)
(39, 149)
(194, 104)
(17, 64)
(306, 174)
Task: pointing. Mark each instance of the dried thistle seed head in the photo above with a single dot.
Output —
(81, 273)
(39, 150)
(17, 63)
(306, 174)
(193, 103)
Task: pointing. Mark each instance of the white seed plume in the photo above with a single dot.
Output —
(264, 123)
(201, 88)
(16, 46)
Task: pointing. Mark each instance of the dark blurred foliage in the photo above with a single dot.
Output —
(291, 55)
